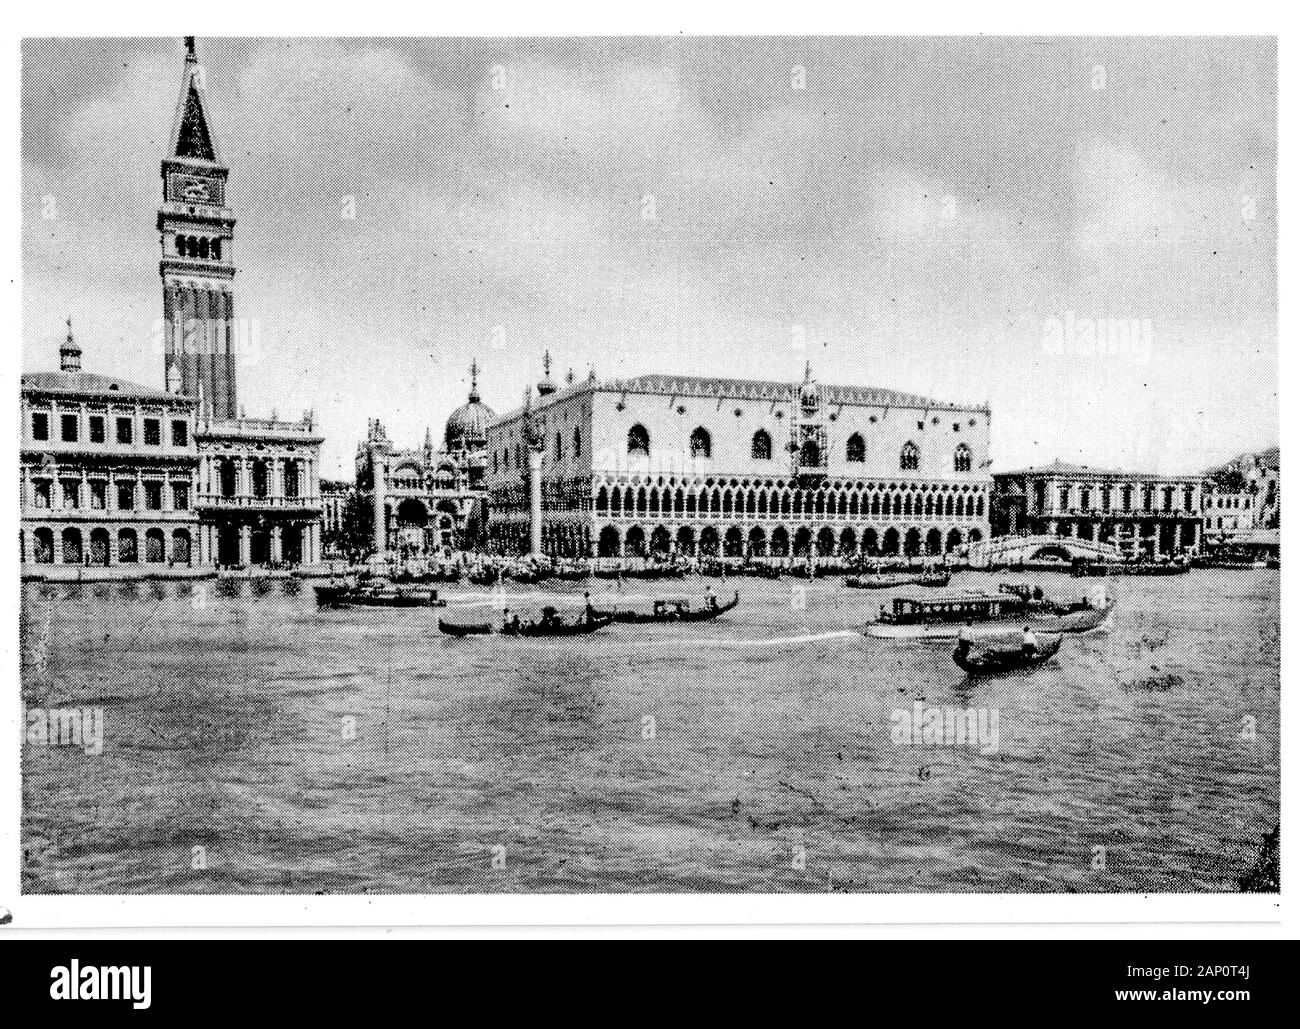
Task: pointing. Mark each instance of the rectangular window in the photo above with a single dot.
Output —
(41, 497)
(125, 431)
(71, 493)
(181, 495)
(153, 496)
(152, 432)
(98, 495)
(40, 425)
(126, 496)
(68, 425)
(180, 433)
(96, 428)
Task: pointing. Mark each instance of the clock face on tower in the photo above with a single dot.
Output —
(193, 189)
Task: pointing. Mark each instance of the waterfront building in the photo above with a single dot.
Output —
(116, 473)
(424, 500)
(107, 471)
(1140, 514)
(679, 464)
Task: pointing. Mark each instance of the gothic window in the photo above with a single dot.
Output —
(856, 450)
(638, 442)
(577, 442)
(760, 449)
(701, 443)
(961, 459)
(910, 459)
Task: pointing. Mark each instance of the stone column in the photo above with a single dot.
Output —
(275, 543)
(245, 545)
(535, 502)
(381, 534)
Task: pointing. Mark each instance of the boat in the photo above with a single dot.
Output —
(996, 660)
(991, 614)
(345, 595)
(1083, 568)
(465, 628)
(554, 627)
(671, 610)
(486, 575)
(571, 574)
(892, 581)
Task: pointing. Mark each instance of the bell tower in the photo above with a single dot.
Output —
(196, 229)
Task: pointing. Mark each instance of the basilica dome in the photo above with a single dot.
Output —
(468, 424)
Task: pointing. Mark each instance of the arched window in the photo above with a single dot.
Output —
(910, 459)
(701, 443)
(559, 447)
(856, 450)
(961, 459)
(216, 250)
(577, 441)
(760, 449)
(638, 442)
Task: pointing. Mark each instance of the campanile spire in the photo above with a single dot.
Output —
(197, 229)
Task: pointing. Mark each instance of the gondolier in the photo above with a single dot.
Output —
(1029, 643)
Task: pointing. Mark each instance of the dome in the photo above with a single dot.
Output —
(468, 424)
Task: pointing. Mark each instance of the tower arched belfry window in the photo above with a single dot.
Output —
(638, 441)
(910, 458)
(701, 443)
(760, 448)
(855, 450)
(961, 459)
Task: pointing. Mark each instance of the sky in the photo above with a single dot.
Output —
(941, 216)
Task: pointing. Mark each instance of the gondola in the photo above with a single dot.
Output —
(375, 596)
(881, 582)
(557, 628)
(997, 660)
(466, 628)
(670, 611)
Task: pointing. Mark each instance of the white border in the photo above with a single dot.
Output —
(960, 916)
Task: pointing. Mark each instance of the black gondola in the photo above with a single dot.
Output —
(998, 660)
(544, 627)
(671, 611)
(466, 628)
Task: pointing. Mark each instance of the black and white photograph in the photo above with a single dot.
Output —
(694, 465)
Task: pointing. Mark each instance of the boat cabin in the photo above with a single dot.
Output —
(975, 608)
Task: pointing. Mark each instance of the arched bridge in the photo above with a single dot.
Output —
(1010, 549)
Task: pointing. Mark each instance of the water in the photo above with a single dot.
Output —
(226, 716)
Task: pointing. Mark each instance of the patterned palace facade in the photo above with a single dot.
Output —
(662, 464)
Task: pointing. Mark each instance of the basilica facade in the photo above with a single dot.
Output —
(672, 464)
(421, 501)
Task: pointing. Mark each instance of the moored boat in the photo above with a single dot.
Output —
(936, 579)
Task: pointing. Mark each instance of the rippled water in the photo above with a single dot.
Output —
(225, 717)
